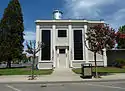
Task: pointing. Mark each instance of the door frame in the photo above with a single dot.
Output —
(66, 60)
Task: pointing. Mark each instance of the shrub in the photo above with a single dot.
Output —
(121, 62)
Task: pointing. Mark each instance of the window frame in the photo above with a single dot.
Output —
(75, 56)
(66, 33)
(41, 32)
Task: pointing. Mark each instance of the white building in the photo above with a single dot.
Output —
(64, 43)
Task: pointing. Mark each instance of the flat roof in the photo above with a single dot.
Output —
(69, 21)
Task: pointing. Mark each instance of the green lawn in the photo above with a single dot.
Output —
(24, 71)
(103, 69)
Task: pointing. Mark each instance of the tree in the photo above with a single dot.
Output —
(32, 50)
(12, 28)
(99, 37)
(121, 40)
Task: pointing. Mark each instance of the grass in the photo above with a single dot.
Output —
(103, 70)
(24, 71)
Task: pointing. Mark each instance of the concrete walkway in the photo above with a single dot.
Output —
(63, 72)
(64, 75)
(59, 75)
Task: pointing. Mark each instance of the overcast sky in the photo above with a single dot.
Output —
(112, 11)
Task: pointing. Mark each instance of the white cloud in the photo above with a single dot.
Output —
(117, 19)
(112, 11)
(85, 8)
(29, 35)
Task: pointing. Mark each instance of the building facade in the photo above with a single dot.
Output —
(64, 44)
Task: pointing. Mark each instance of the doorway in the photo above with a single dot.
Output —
(62, 58)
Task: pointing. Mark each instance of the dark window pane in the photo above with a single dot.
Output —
(62, 51)
(46, 39)
(62, 33)
(78, 45)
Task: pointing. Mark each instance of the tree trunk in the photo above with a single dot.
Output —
(96, 73)
(8, 63)
(33, 62)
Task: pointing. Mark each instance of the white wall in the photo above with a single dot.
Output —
(66, 41)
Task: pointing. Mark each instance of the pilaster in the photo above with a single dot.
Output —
(70, 44)
(54, 44)
(37, 37)
(86, 50)
(105, 57)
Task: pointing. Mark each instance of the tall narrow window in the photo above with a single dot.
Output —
(78, 45)
(46, 39)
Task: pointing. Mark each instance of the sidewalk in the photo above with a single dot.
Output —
(58, 79)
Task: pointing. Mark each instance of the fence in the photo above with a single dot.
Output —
(113, 55)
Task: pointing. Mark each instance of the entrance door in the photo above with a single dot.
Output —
(62, 58)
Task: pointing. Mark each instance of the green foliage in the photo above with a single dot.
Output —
(122, 29)
(121, 41)
(102, 70)
(24, 71)
(120, 61)
(11, 31)
(25, 59)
